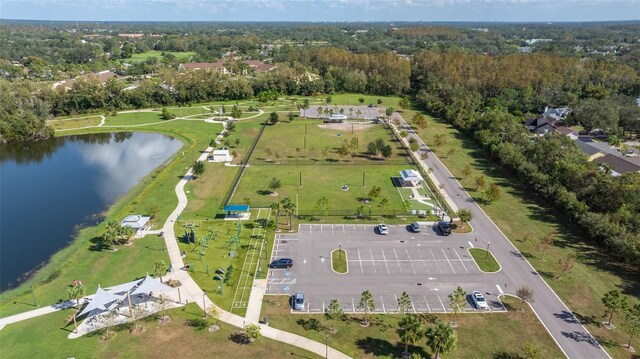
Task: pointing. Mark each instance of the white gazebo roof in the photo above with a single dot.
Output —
(150, 284)
(411, 176)
(221, 152)
(101, 301)
(135, 221)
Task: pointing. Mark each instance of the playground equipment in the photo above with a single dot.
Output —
(235, 238)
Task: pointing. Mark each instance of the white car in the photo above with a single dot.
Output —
(478, 300)
(382, 229)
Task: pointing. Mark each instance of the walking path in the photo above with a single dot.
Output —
(36, 313)
(571, 336)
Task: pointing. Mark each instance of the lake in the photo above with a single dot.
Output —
(48, 190)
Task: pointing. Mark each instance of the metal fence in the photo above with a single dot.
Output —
(329, 162)
(364, 212)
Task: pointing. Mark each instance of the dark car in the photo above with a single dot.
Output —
(415, 227)
(444, 228)
(282, 263)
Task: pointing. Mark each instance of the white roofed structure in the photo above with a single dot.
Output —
(101, 301)
(411, 177)
(136, 222)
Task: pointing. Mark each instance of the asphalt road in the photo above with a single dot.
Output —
(570, 335)
(425, 265)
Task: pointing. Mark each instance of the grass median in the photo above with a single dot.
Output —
(485, 260)
(339, 261)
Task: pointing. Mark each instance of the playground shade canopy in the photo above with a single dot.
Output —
(236, 208)
(151, 285)
(101, 301)
(411, 176)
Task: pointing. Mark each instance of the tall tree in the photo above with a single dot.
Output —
(465, 216)
(76, 292)
(493, 193)
(525, 294)
(198, 168)
(466, 171)
(613, 302)
(545, 243)
(334, 312)
(112, 233)
(479, 182)
(274, 185)
(441, 339)
(632, 322)
(410, 330)
(160, 268)
(367, 305)
(457, 299)
(276, 207)
(323, 205)
(404, 303)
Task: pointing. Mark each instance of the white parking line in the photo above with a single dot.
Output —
(412, 306)
(470, 244)
(396, 302)
(374, 263)
(499, 289)
(410, 261)
(435, 260)
(448, 261)
(343, 230)
(360, 260)
(461, 261)
(427, 302)
(385, 261)
(442, 304)
(353, 305)
(426, 270)
(397, 261)
(382, 301)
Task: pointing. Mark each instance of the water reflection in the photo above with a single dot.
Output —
(49, 188)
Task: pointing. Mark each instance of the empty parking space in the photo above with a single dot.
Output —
(427, 266)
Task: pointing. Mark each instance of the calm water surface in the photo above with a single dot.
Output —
(48, 190)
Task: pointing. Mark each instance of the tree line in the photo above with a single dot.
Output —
(486, 97)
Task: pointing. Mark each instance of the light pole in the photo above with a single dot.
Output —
(326, 345)
(204, 305)
(340, 247)
(487, 254)
(35, 304)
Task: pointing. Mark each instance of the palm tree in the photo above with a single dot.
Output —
(159, 268)
(525, 294)
(76, 292)
(275, 207)
(465, 216)
(111, 234)
(441, 339)
(366, 304)
(456, 300)
(287, 205)
(410, 330)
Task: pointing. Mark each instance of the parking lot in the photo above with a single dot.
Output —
(425, 265)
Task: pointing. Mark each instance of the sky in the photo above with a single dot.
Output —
(322, 10)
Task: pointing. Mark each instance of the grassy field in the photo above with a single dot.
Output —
(153, 53)
(206, 193)
(320, 181)
(74, 122)
(339, 261)
(180, 338)
(321, 137)
(484, 259)
(524, 219)
(133, 118)
(477, 333)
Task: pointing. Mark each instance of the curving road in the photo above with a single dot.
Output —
(571, 336)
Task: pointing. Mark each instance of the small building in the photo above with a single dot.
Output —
(236, 212)
(222, 155)
(411, 178)
(337, 118)
(618, 165)
(137, 222)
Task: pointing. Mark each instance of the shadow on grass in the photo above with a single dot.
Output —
(98, 244)
(380, 347)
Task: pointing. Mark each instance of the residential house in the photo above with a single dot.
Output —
(548, 121)
(589, 150)
(224, 67)
(568, 131)
(102, 77)
(618, 165)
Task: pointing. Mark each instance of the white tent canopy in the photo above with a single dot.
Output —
(411, 176)
(125, 287)
(149, 285)
(101, 301)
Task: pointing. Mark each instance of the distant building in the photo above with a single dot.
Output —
(137, 222)
(222, 155)
(337, 118)
(618, 165)
(226, 67)
(101, 77)
(548, 121)
(411, 178)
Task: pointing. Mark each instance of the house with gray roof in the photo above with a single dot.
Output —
(618, 165)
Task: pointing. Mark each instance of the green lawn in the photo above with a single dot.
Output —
(47, 336)
(133, 118)
(524, 219)
(60, 124)
(153, 53)
(488, 335)
(319, 137)
(339, 261)
(485, 260)
(320, 181)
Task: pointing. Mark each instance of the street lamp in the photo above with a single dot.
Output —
(326, 345)
(487, 254)
(340, 246)
(35, 304)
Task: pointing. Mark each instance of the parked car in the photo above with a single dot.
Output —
(415, 227)
(444, 227)
(298, 301)
(478, 300)
(282, 263)
(382, 229)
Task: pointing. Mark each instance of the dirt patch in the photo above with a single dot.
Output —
(345, 126)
